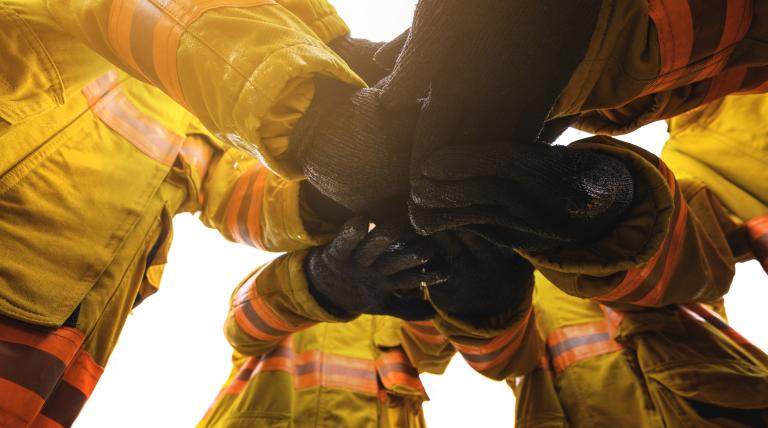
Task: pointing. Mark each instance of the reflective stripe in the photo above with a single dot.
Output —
(646, 285)
(146, 35)
(498, 350)
(724, 84)
(256, 318)
(696, 38)
(395, 369)
(197, 153)
(38, 367)
(569, 345)
(757, 228)
(244, 207)
(700, 312)
(425, 331)
(110, 104)
(309, 369)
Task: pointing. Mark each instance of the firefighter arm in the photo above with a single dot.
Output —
(427, 349)
(246, 68)
(507, 346)
(667, 249)
(247, 203)
(270, 305)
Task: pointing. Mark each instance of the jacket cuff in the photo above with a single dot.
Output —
(587, 269)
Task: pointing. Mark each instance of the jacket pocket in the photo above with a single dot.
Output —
(29, 81)
(65, 213)
(723, 383)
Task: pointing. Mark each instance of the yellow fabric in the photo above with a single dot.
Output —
(264, 57)
(273, 399)
(622, 58)
(702, 263)
(277, 397)
(668, 365)
(723, 144)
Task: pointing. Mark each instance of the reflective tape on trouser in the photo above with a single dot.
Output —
(45, 376)
(569, 345)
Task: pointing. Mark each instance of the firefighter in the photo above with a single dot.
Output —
(94, 166)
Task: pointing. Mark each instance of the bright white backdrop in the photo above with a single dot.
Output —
(172, 357)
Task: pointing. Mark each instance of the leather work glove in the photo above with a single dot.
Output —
(381, 272)
(490, 70)
(352, 150)
(486, 280)
(359, 55)
(533, 197)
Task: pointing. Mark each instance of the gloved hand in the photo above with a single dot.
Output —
(533, 197)
(491, 70)
(486, 280)
(352, 150)
(380, 272)
(359, 55)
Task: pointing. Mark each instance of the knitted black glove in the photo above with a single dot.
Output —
(373, 273)
(492, 69)
(352, 150)
(532, 197)
(486, 279)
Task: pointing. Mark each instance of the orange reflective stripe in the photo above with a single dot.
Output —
(19, 405)
(119, 25)
(256, 318)
(62, 343)
(569, 345)
(636, 278)
(425, 331)
(244, 208)
(725, 84)
(674, 24)
(757, 227)
(497, 350)
(236, 200)
(43, 421)
(700, 312)
(696, 39)
(84, 373)
(737, 20)
(118, 113)
(395, 369)
(197, 153)
(673, 254)
(146, 35)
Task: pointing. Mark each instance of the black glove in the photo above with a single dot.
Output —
(493, 69)
(352, 150)
(533, 197)
(486, 280)
(359, 55)
(380, 272)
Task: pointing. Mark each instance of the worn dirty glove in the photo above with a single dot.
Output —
(351, 149)
(359, 55)
(533, 197)
(380, 272)
(486, 280)
(491, 70)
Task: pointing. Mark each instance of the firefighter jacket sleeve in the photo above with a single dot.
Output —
(249, 204)
(271, 304)
(499, 348)
(245, 68)
(670, 247)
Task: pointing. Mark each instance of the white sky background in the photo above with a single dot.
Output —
(172, 357)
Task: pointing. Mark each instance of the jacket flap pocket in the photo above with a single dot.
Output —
(64, 221)
(725, 383)
(29, 82)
